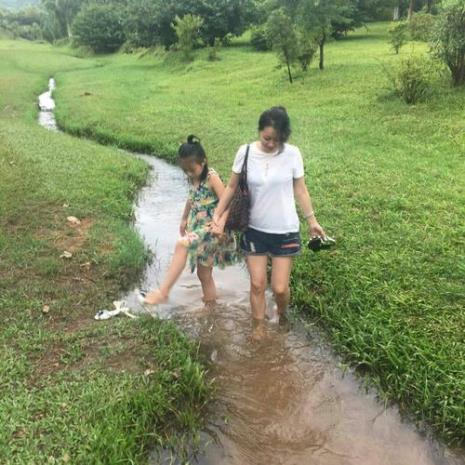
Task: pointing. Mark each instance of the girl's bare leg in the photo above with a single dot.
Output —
(176, 267)
(257, 270)
(280, 275)
(205, 275)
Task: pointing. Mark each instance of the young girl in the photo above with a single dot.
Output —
(197, 243)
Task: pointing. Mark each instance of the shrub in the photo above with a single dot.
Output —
(213, 50)
(421, 26)
(98, 26)
(187, 31)
(412, 78)
(259, 40)
(307, 49)
(448, 41)
(398, 34)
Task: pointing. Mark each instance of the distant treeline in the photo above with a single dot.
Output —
(146, 23)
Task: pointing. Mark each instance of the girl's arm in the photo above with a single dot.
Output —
(305, 202)
(219, 219)
(185, 214)
(221, 211)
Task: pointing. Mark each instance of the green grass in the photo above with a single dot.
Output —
(73, 390)
(387, 181)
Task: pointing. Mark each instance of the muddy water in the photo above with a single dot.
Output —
(283, 400)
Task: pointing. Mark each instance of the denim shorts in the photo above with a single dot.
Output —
(255, 242)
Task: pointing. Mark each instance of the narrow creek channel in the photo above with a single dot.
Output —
(284, 401)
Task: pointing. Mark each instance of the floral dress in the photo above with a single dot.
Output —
(203, 247)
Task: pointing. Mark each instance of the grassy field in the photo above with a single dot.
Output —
(387, 181)
(73, 390)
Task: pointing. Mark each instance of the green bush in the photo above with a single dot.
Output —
(258, 39)
(421, 26)
(398, 34)
(307, 49)
(98, 27)
(187, 31)
(213, 50)
(448, 42)
(412, 78)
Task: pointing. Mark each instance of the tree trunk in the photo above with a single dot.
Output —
(395, 14)
(458, 73)
(410, 9)
(429, 6)
(322, 52)
(289, 71)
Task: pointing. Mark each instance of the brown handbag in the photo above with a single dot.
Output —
(238, 217)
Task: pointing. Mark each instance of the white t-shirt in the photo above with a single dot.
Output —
(270, 181)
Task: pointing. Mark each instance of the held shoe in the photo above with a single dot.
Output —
(318, 243)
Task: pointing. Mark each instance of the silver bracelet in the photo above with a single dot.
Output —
(309, 215)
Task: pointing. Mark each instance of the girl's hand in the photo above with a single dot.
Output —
(217, 229)
(215, 219)
(182, 227)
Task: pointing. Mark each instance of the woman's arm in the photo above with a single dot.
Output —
(304, 201)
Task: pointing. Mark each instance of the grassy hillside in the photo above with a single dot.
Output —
(73, 390)
(387, 181)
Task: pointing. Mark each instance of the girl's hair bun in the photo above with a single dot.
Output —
(191, 139)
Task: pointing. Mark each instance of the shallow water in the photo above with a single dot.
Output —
(283, 400)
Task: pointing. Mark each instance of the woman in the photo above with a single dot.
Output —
(275, 177)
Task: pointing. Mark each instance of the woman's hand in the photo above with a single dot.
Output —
(315, 228)
(182, 227)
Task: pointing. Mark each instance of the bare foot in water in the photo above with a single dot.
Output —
(273, 316)
(258, 331)
(155, 297)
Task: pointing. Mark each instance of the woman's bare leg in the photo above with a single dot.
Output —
(257, 270)
(176, 267)
(205, 275)
(280, 275)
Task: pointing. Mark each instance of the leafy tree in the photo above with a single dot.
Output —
(317, 18)
(24, 23)
(142, 25)
(220, 18)
(99, 27)
(282, 36)
(307, 48)
(449, 39)
(421, 26)
(62, 13)
(258, 38)
(187, 31)
(398, 34)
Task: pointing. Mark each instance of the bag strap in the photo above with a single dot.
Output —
(243, 176)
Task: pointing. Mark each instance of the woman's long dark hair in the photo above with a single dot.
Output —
(278, 119)
(193, 149)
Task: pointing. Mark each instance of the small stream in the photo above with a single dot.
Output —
(284, 401)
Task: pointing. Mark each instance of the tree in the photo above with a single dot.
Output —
(317, 18)
(220, 18)
(449, 39)
(62, 12)
(398, 34)
(282, 36)
(142, 24)
(99, 27)
(187, 31)
(410, 9)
